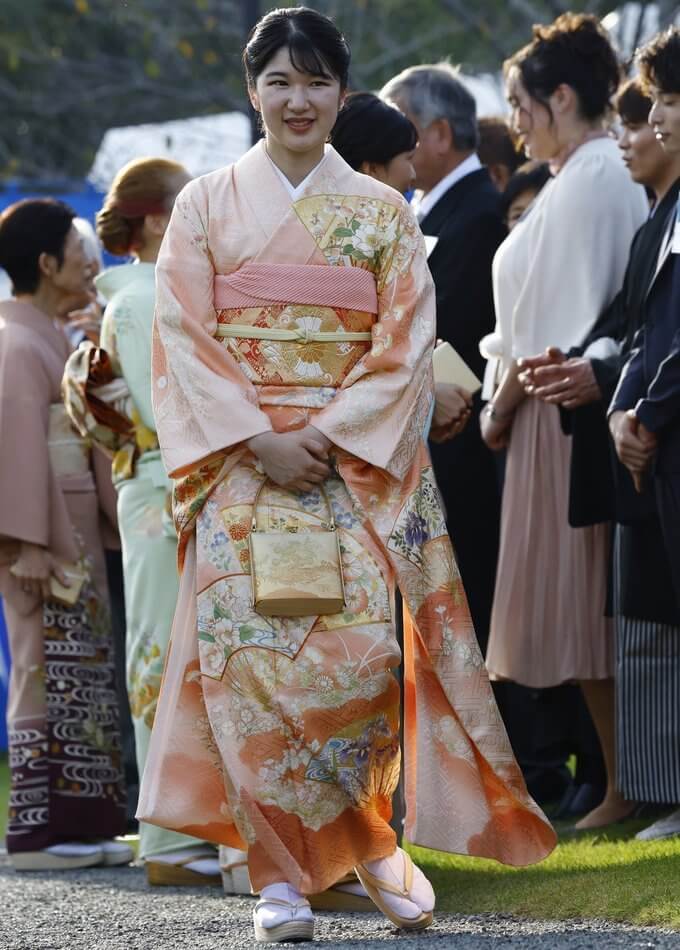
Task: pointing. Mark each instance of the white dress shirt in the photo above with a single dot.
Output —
(422, 206)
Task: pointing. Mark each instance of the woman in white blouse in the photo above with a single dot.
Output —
(554, 274)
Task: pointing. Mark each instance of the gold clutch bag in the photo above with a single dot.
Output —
(68, 595)
(296, 574)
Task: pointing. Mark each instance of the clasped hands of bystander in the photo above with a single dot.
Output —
(571, 383)
(635, 445)
(559, 380)
(295, 460)
(452, 408)
(34, 567)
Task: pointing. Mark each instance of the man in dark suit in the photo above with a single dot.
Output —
(645, 413)
(460, 215)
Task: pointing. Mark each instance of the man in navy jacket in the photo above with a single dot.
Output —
(645, 412)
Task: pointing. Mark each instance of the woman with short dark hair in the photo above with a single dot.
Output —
(65, 760)
(377, 139)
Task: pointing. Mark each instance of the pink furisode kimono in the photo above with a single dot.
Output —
(282, 734)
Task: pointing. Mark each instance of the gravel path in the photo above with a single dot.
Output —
(113, 909)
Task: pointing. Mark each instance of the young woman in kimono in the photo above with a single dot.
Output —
(294, 334)
(107, 392)
(65, 761)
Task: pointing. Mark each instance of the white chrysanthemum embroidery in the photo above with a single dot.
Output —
(308, 370)
(310, 324)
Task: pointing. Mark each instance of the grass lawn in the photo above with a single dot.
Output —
(607, 875)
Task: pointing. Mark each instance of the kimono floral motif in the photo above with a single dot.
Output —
(314, 804)
(227, 623)
(351, 231)
(226, 620)
(305, 711)
(190, 494)
(403, 241)
(421, 520)
(144, 682)
(351, 759)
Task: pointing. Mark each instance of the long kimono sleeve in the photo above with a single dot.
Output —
(380, 413)
(25, 474)
(203, 403)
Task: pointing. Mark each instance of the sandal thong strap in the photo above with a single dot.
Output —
(188, 859)
(294, 906)
(386, 886)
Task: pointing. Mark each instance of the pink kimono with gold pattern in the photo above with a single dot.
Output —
(283, 733)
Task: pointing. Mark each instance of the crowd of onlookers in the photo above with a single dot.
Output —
(554, 241)
(551, 242)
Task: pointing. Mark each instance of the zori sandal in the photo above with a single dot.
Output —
(347, 894)
(191, 867)
(278, 918)
(234, 869)
(393, 898)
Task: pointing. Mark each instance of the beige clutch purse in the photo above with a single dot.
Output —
(68, 595)
(296, 574)
(449, 367)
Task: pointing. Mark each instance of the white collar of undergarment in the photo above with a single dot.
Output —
(424, 205)
(295, 191)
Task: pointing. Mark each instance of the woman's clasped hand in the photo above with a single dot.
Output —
(34, 567)
(296, 460)
(557, 379)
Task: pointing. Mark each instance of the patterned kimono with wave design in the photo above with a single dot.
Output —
(283, 733)
(66, 775)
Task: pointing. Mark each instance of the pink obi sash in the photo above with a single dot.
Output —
(256, 285)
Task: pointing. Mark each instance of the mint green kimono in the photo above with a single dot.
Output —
(147, 534)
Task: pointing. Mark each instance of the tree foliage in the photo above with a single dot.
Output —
(70, 69)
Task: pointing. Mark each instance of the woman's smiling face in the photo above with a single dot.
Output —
(298, 109)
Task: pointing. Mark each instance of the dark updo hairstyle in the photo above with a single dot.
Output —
(316, 46)
(574, 50)
(632, 103)
(659, 62)
(28, 229)
(369, 130)
(531, 176)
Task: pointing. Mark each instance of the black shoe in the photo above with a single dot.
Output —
(586, 798)
(562, 811)
(578, 800)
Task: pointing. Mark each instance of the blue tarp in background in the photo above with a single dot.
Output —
(80, 195)
(4, 680)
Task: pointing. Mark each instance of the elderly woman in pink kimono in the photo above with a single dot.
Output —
(292, 383)
(67, 795)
